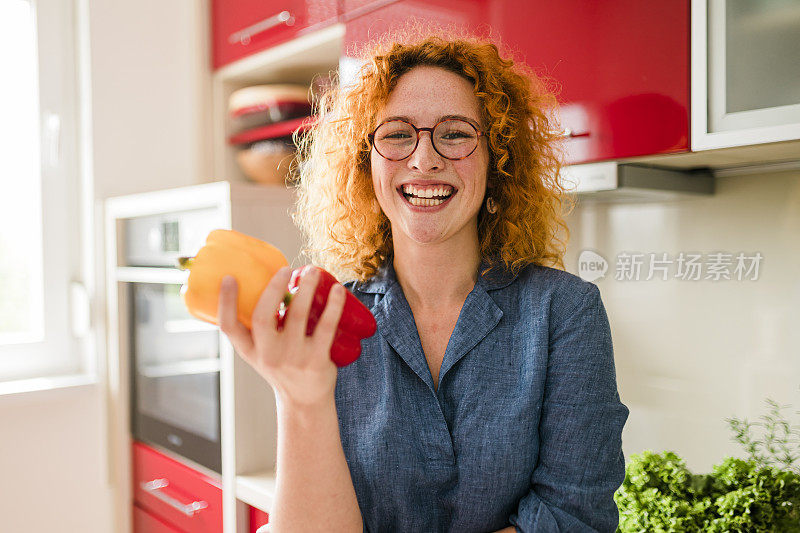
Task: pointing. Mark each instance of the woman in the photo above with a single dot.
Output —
(487, 401)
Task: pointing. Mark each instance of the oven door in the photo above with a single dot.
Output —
(175, 361)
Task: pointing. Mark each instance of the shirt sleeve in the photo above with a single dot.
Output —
(580, 463)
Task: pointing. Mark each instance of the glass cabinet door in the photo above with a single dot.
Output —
(753, 64)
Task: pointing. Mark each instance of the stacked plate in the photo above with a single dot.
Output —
(262, 119)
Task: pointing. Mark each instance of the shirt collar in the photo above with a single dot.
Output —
(497, 278)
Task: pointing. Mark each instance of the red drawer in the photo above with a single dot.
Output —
(175, 493)
(145, 522)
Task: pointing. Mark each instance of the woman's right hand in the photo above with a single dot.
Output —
(298, 367)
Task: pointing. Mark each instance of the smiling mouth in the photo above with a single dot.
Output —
(427, 197)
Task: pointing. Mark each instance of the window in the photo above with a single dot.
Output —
(40, 192)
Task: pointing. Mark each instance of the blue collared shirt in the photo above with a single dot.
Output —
(524, 427)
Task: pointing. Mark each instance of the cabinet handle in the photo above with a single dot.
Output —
(243, 36)
(569, 134)
(154, 487)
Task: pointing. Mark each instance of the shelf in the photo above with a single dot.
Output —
(312, 56)
(152, 275)
(257, 489)
(181, 368)
(298, 59)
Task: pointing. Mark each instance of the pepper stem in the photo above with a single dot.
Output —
(185, 263)
(287, 298)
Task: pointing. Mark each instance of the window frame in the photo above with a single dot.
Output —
(68, 349)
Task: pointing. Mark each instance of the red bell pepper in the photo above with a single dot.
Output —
(356, 322)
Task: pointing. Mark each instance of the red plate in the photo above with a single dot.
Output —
(272, 131)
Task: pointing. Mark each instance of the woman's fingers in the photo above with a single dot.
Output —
(227, 317)
(265, 342)
(264, 314)
(297, 313)
(329, 321)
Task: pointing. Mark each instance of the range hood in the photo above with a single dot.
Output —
(628, 182)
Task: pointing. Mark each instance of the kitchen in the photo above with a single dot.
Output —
(152, 89)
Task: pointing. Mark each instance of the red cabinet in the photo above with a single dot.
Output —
(355, 8)
(242, 27)
(466, 14)
(146, 522)
(170, 496)
(257, 519)
(622, 65)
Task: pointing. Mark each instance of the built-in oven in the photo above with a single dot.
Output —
(175, 363)
(174, 357)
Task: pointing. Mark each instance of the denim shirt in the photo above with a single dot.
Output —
(523, 429)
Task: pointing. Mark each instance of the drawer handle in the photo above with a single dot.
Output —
(243, 36)
(154, 487)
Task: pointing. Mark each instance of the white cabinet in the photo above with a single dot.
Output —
(745, 73)
(247, 416)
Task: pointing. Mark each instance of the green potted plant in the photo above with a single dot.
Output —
(760, 493)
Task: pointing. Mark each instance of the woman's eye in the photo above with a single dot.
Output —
(455, 135)
(396, 136)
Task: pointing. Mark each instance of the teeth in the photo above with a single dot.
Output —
(442, 191)
(424, 202)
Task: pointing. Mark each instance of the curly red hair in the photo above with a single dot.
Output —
(347, 232)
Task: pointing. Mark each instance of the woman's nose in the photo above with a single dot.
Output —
(425, 158)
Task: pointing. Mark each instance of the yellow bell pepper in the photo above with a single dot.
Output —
(251, 261)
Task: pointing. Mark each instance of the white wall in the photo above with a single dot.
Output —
(151, 116)
(691, 353)
(53, 463)
(151, 83)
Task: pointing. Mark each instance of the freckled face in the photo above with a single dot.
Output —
(423, 96)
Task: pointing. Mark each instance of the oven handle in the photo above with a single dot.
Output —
(154, 487)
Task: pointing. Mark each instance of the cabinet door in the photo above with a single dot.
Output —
(752, 69)
(243, 27)
(622, 67)
(355, 8)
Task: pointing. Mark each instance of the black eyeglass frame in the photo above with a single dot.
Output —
(479, 133)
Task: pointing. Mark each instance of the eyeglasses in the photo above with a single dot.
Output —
(452, 138)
